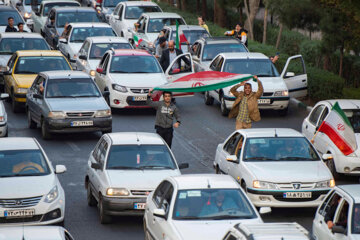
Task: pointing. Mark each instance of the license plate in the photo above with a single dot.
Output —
(19, 213)
(81, 123)
(139, 206)
(297, 195)
(139, 98)
(263, 101)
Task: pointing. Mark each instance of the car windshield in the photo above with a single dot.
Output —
(49, 6)
(279, 149)
(80, 34)
(130, 64)
(98, 49)
(134, 12)
(74, 17)
(4, 15)
(211, 50)
(111, 3)
(11, 45)
(155, 157)
(259, 67)
(156, 24)
(34, 65)
(192, 35)
(72, 88)
(356, 219)
(33, 2)
(212, 204)
(17, 163)
(354, 118)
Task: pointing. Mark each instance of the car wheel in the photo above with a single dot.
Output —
(208, 99)
(224, 110)
(14, 105)
(104, 218)
(217, 170)
(283, 112)
(90, 197)
(31, 123)
(331, 165)
(44, 131)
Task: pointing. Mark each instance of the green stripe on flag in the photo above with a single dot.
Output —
(177, 41)
(341, 113)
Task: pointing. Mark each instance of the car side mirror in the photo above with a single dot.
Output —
(37, 96)
(83, 57)
(100, 70)
(60, 169)
(338, 229)
(264, 210)
(232, 158)
(159, 213)
(327, 156)
(183, 165)
(290, 74)
(63, 40)
(106, 94)
(95, 165)
(4, 96)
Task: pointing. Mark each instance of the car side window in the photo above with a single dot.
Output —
(103, 151)
(230, 145)
(141, 23)
(85, 48)
(315, 114)
(238, 148)
(40, 81)
(106, 63)
(326, 201)
(342, 215)
(121, 12)
(97, 150)
(103, 60)
(166, 200)
(219, 64)
(214, 64)
(159, 192)
(323, 115)
(11, 62)
(328, 210)
(198, 51)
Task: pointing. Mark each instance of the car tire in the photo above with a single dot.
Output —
(283, 112)
(14, 105)
(331, 165)
(208, 99)
(91, 201)
(224, 110)
(44, 131)
(31, 123)
(7, 133)
(217, 170)
(104, 218)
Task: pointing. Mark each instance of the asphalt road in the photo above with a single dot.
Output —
(202, 129)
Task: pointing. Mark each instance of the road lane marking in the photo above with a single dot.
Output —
(73, 146)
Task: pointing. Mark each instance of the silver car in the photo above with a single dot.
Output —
(34, 233)
(67, 101)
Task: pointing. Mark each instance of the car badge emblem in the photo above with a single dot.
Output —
(142, 91)
(297, 185)
(18, 202)
(147, 193)
(80, 114)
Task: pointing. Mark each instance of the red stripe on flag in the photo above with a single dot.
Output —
(337, 139)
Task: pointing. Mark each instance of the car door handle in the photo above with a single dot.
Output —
(321, 222)
(304, 80)
(306, 126)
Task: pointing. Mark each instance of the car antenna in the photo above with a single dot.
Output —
(137, 138)
(209, 186)
(275, 133)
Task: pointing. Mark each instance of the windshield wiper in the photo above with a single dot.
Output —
(86, 96)
(26, 72)
(295, 158)
(62, 97)
(153, 166)
(264, 75)
(122, 167)
(5, 53)
(259, 158)
(225, 217)
(188, 218)
(78, 41)
(119, 72)
(140, 72)
(22, 175)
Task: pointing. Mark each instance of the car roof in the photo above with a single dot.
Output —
(217, 40)
(201, 181)
(39, 53)
(139, 3)
(131, 52)
(353, 190)
(18, 143)
(90, 24)
(131, 138)
(68, 74)
(270, 132)
(20, 35)
(186, 27)
(57, 1)
(162, 15)
(7, 8)
(345, 103)
(32, 232)
(102, 39)
(244, 55)
(73, 9)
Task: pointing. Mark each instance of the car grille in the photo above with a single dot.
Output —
(140, 192)
(139, 90)
(130, 101)
(267, 94)
(79, 114)
(20, 202)
(35, 218)
(291, 186)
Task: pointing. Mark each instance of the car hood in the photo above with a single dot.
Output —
(270, 84)
(138, 179)
(75, 47)
(25, 80)
(355, 237)
(151, 37)
(287, 172)
(209, 230)
(77, 104)
(93, 63)
(24, 187)
(139, 79)
(4, 60)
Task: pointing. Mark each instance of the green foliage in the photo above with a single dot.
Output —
(351, 93)
(311, 52)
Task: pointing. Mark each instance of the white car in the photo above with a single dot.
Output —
(39, 198)
(277, 167)
(77, 33)
(277, 88)
(342, 208)
(40, 14)
(93, 49)
(129, 74)
(23, 6)
(196, 206)
(34, 233)
(124, 168)
(337, 162)
(3, 117)
(269, 231)
(127, 13)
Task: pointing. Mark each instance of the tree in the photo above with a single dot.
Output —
(265, 22)
(220, 14)
(204, 13)
(251, 9)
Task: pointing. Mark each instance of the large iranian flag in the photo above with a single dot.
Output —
(338, 128)
(204, 81)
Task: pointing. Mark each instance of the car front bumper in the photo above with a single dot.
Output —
(276, 103)
(126, 100)
(64, 125)
(268, 198)
(347, 165)
(3, 129)
(122, 206)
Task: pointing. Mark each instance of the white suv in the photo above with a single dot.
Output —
(39, 198)
(124, 168)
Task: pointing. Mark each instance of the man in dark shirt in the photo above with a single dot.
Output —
(21, 27)
(10, 27)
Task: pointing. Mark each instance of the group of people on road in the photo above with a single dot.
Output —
(11, 28)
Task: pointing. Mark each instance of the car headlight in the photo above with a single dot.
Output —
(52, 195)
(284, 93)
(21, 90)
(264, 185)
(117, 192)
(103, 113)
(325, 184)
(92, 73)
(27, 15)
(57, 115)
(119, 88)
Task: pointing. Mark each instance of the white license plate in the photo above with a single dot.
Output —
(19, 213)
(297, 195)
(139, 98)
(139, 205)
(81, 123)
(263, 101)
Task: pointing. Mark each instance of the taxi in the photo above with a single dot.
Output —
(23, 68)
